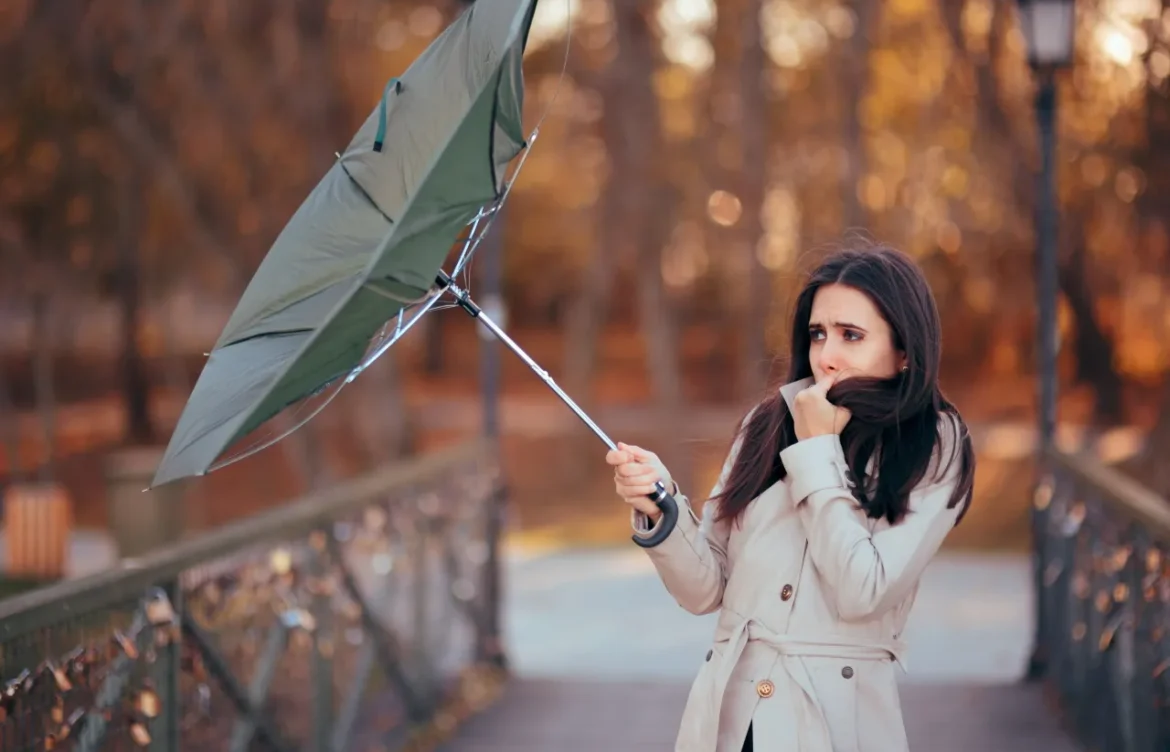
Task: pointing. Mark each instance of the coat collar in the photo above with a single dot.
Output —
(790, 390)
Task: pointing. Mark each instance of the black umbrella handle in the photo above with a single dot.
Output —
(669, 508)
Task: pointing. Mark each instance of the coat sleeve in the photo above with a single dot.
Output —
(870, 573)
(692, 561)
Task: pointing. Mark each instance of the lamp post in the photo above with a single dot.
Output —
(1049, 27)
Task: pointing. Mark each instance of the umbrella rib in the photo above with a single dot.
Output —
(369, 285)
(363, 190)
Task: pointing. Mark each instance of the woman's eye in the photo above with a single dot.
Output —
(852, 336)
(816, 335)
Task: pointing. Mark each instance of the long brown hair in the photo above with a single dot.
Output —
(895, 421)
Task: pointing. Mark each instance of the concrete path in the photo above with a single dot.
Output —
(595, 716)
(604, 656)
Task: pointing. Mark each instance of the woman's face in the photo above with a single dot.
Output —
(849, 336)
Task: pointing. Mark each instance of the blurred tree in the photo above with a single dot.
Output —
(722, 167)
(650, 201)
(753, 83)
(854, 80)
(736, 172)
(1153, 206)
(589, 307)
(167, 142)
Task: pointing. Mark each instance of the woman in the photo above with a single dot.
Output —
(835, 495)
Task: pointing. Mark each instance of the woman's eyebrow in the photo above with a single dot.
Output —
(847, 325)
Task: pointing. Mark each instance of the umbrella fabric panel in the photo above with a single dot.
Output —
(333, 351)
(466, 175)
(233, 380)
(509, 134)
(438, 91)
(303, 315)
(326, 245)
(246, 384)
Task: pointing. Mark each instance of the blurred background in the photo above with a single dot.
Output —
(687, 173)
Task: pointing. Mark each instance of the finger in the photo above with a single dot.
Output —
(825, 383)
(635, 485)
(617, 457)
(822, 386)
(812, 394)
(639, 453)
(818, 388)
(634, 470)
(637, 491)
(638, 481)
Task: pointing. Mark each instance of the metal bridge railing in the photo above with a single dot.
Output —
(361, 616)
(1104, 607)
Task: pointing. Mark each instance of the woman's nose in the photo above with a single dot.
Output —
(828, 360)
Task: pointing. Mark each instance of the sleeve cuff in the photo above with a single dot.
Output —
(816, 464)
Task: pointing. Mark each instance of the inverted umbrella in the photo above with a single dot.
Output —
(361, 259)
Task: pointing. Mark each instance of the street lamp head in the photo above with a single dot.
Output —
(1049, 27)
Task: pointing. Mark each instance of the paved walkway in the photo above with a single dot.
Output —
(603, 658)
(597, 716)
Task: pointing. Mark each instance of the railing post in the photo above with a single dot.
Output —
(321, 670)
(490, 642)
(164, 676)
(167, 670)
(1144, 630)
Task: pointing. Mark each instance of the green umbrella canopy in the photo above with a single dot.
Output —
(367, 242)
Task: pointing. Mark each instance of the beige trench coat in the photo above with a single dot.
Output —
(812, 598)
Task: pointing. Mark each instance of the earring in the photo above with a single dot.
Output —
(905, 369)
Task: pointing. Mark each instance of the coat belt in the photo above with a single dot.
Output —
(813, 728)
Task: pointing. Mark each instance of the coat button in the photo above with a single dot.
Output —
(765, 689)
(847, 672)
(785, 592)
(709, 654)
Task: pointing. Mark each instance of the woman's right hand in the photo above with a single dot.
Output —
(635, 471)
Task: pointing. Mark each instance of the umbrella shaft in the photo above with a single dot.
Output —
(466, 303)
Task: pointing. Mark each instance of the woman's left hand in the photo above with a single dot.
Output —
(813, 414)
